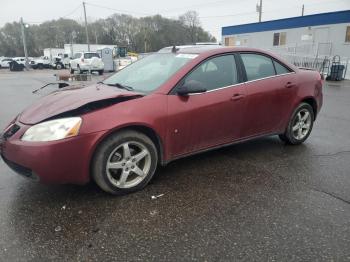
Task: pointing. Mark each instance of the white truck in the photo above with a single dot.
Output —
(51, 53)
(41, 62)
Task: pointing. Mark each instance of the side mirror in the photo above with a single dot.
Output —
(191, 87)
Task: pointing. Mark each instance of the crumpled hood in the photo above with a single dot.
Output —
(72, 98)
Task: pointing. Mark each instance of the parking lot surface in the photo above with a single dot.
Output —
(256, 201)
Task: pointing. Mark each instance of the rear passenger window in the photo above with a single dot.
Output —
(91, 55)
(280, 69)
(257, 66)
(215, 73)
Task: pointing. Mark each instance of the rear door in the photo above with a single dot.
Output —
(203, 120)
(270, 88)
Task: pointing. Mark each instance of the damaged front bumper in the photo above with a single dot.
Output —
(65, 161)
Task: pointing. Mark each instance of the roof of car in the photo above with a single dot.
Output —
(199, 49)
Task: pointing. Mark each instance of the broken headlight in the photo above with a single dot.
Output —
(53, 130)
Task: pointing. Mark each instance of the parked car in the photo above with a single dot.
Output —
(171, 104)
(86, 62)
(5, 63)
(41, 63)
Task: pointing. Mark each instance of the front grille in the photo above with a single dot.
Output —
(11, 131)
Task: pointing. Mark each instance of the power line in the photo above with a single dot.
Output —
(249, 13)
(190, 6)
(117, 10)
(229, 15)
(72, 12)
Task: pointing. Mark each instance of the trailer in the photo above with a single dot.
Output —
(51, 53)
(71, 49)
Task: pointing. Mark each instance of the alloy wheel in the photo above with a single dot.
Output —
(301, 124)
(128, 164)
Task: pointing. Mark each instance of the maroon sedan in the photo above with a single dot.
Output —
(174, 103)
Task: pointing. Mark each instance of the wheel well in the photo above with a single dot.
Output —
(153, 136)
(148, 132)
(312, 102)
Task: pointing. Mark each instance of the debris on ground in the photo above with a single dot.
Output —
(58, 229)
(155, 197)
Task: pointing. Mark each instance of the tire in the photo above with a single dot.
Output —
(79, 70)
(71, 70)
(59, 66)
(300, 125)
(136, 170)
(100, 72)
(40, 66)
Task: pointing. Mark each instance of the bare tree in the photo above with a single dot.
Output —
(191, 21)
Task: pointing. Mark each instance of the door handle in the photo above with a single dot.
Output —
(236, 97)
(289, 85)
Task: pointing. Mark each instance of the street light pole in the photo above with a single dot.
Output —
(260, 10)
(86, 28)
(24, 44)
(302, 10)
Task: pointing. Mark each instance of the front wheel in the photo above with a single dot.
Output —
(124, 163)
(299, 126)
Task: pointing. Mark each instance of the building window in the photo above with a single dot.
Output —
(279, 38)
(229, 41)
(347, 36)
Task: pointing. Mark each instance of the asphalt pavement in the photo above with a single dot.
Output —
(256, 201)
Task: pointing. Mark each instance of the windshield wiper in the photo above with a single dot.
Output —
(129, 88)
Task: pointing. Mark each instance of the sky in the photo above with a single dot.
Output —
(213, 13)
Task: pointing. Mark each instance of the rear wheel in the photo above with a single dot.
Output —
(299, 126)
(124, 162)
(100, 72)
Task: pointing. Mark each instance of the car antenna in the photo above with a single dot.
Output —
(174, 49)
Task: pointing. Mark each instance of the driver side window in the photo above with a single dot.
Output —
(215, 73)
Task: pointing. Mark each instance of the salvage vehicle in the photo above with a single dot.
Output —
(57, 63)
(5, 63)
(171, 104)
(21, 60)
(86, 62)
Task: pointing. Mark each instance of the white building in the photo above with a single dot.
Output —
(312, 37)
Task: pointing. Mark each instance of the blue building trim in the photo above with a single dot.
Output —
(287, 23)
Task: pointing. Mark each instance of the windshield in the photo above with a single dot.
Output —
(149, 73)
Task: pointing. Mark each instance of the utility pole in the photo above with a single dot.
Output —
(24, 44)
(86, 28)
(302, 10)
(259, 10)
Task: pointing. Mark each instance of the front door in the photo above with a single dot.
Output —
(200, 121)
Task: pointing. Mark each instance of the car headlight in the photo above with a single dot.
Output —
(53, 130)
